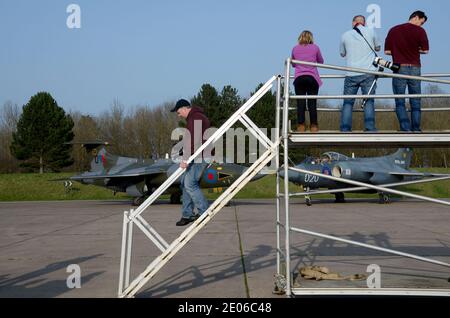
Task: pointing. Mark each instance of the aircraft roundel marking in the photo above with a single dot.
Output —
(210, 176)
(326, 170)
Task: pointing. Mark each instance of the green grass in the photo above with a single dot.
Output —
(36, 187)
(439, 189)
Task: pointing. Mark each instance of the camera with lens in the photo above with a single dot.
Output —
(394, 67)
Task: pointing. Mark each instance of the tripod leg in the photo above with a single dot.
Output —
(370, 91)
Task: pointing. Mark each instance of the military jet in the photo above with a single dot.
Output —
(140, 177)
(386, 170)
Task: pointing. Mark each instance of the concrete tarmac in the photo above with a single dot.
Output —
(233, 256)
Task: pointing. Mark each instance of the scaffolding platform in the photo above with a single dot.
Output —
(381, 139)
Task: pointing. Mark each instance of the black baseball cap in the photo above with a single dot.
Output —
(179, 104)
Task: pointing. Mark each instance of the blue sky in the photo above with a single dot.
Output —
(150, 52)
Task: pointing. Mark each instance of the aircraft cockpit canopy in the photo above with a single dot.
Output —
(333, 156)
(325, 158)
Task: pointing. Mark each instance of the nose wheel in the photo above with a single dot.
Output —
(384, 198)
(308, 200)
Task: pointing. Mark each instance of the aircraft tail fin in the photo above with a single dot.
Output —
(402, 157)
(101, 159)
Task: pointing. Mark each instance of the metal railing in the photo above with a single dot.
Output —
(408, 139)
(385, 96)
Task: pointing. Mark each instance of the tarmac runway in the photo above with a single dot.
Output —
(233, 256)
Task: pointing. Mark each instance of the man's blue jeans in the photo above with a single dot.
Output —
(414, 87)
(351, 86)
(192, 194)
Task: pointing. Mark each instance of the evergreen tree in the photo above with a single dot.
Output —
(230, 101)
(209, 100)
(263, 112)
(42, 131)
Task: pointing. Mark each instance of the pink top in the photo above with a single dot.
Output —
(307, 53)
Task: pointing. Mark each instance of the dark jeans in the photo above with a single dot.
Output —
(399, 87)
(306, 85)
(351, 87)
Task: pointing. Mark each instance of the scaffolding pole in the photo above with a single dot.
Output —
(373, 139)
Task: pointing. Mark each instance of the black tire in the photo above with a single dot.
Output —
(384, 198)
(138, 201)
(308, 201)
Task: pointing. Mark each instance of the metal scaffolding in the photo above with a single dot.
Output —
(333, 139)
(128, 287)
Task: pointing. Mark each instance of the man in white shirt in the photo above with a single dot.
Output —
(359, 55)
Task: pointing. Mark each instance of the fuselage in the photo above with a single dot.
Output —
(372, 170)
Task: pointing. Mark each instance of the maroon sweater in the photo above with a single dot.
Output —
(195, 119)
(404, 41)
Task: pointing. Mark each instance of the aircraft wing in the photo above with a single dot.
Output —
(124, 174)
(60, 179)
(403, 172)
(396, 184)
(419, 174)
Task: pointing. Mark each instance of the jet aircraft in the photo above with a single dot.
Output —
(390, 169)
(140, 177)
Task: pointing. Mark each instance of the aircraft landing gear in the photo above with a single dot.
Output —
(139, 200)
(307, 197)
(308, 200)
(384, 198)
(339, 197)
(175, 198)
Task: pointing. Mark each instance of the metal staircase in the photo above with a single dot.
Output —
(134, 217)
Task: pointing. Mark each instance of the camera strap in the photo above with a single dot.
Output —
(360, 33)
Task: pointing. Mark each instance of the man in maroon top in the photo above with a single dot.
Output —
(405, 42)
(196, 124)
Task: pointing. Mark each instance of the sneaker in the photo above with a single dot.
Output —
(185, 221)
(301, 128)
(314, 128)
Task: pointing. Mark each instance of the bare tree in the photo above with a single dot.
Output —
(85, 129)
(9, 116)
(112, 129)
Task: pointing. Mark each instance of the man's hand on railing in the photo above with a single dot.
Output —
(183, 164)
